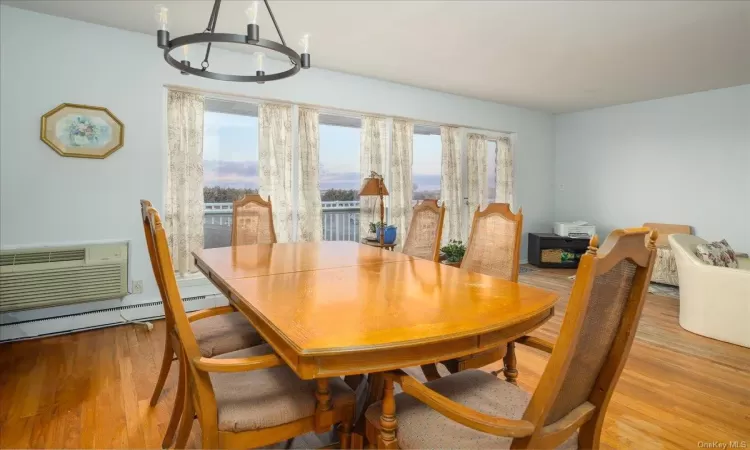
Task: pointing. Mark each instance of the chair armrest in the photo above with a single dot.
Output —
(237, 364)
(537, 343)
(204, 313)
(497, 426)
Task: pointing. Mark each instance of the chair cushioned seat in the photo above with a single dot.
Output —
(224, 333)
(420, 426)
(267, 397)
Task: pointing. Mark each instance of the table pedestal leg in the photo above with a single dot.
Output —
(353, 381)
(374, 393)
(430, 371)
(510, 371)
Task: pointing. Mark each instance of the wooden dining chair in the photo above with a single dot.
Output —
(425, 231)
(494, 245)
(474, 409)
(217, 330)
(494, 249)
(252, 221)
(247, 398)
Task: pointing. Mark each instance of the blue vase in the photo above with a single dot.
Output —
(390, 234)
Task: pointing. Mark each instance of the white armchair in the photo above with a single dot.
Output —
(714, 301)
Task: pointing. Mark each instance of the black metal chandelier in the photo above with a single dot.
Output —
(208, 36)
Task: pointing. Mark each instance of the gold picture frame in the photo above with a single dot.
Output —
(82, 131)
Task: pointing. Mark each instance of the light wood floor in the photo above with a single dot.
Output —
(91, 389)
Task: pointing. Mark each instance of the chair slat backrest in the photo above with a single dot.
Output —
(145, 205)
(186, 338)
(425, 230)
(596, 334)
(165, 276)
(252, 221)
(495, 242)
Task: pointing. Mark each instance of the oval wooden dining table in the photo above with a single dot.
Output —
(333, 309)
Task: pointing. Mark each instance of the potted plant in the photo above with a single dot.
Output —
(390, 232)
(453, 253)
(374, 226)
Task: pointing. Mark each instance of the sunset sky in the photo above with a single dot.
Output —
(230, 154)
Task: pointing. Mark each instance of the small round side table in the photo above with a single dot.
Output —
(378, 244)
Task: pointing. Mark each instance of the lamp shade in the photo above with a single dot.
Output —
(373, 186)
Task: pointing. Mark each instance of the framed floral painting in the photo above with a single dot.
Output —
(82, 131)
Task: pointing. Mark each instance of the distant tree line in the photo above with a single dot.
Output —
(218, 194)
(424, 195)
(339, 195)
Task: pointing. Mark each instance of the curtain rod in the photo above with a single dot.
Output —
(325, 109)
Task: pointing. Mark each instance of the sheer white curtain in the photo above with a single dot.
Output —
(184, 207)
(450, 182)
(310, 221)
(477, 173)
(371, 158)
(275, 164)
(400, 183)
(504, 172)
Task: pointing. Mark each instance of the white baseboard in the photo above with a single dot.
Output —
(197, 293)
(118, 315)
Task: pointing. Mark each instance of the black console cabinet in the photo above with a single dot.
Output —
(543, 247)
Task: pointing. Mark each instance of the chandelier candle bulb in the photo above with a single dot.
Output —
(304, 42)
(259, 72)
(162, 34)
(253, 30)
(305, 56)
(252, 13)
(185, 60)
(161, 16)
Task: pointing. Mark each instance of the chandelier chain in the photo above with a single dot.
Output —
(281, 36)
(210, 29)
(278, 30)
(212, 18)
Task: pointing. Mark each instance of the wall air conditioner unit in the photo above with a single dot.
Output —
(43, 277)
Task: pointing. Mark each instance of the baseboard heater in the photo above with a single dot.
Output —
(89, 320)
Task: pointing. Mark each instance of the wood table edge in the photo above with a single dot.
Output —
(359, 361)
(310, 364)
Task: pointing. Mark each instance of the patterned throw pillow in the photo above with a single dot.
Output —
(717, 254)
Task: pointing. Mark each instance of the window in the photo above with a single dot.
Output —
(340, 180)
(230, 164)
(491, 171)
(426, 163)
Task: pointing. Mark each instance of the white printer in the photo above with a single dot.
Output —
(577, 229)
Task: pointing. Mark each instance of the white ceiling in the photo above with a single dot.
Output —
(552, 56)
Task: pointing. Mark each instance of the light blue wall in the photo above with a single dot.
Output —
(682, 160)
(47, 199)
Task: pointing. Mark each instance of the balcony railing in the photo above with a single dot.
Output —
(340, 222)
